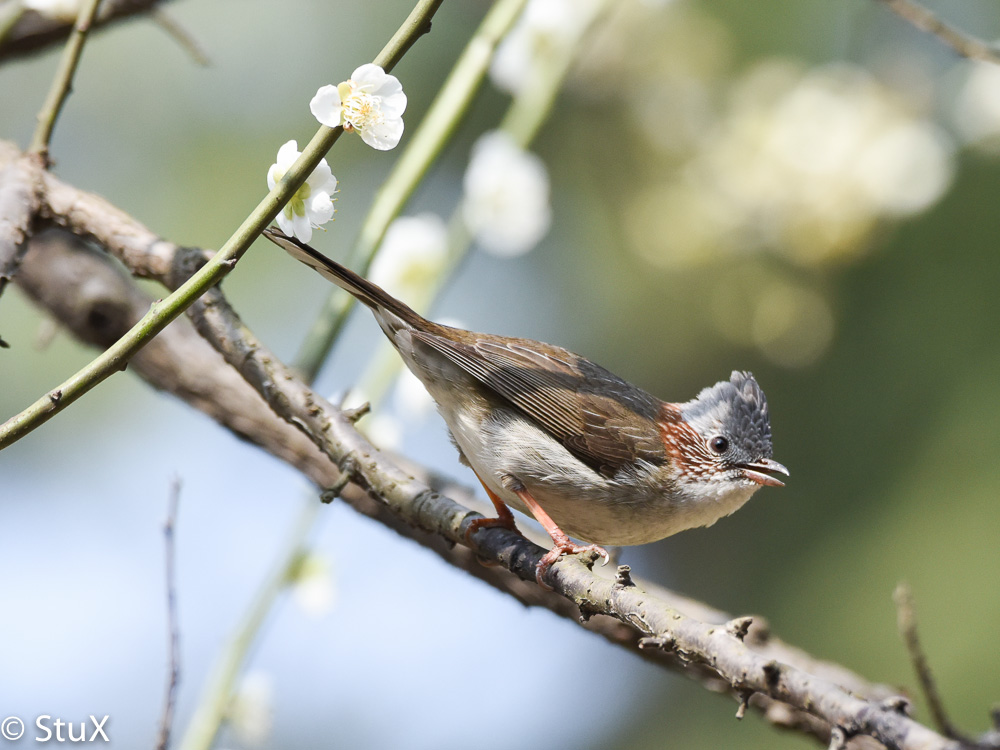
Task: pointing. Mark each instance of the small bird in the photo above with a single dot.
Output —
(552, 434)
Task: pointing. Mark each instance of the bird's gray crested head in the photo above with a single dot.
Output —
(736, 411)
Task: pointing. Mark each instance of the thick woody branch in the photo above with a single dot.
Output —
(19, 202)
(719, 649)
(94, 300)
(97, 302)
(789, 687)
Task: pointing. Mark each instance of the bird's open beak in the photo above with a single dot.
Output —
(755, 472)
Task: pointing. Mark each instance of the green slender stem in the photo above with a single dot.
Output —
(524, 118)
(162, 313)
(218, 690)
(443, 116)
(416, 25)
(63, 81)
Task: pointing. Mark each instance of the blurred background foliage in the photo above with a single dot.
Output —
(800, 188)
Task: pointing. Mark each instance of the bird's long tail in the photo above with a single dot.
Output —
(370, 294)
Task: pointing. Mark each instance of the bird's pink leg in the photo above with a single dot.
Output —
(504, 519)
(561, 544)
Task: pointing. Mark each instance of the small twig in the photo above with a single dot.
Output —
(906, 617)
(173, 624)
(180, 35)
(34, 32)
(744, 696)
(964, 44)
(63, 81)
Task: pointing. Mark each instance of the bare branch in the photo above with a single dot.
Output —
(964, 44)
(906, 617)
(97, 302)
(34, 32)
(789, 687)
(181, 35)
(684, 638)
(173, 626)
(19, 204)
(63, 81)
(180, 362)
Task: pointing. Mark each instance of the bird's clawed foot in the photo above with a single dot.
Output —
(504, 520)
(561, 546)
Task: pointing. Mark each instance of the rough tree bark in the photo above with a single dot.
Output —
(261, 400)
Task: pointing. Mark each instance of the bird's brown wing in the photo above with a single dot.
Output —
(601, 419)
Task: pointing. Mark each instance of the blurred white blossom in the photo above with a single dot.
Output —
(906, 168)
(312, 586)
(411, 397)
(546, 30)
(412, 256)
(371, 103)
(312, 204)
(788, 321)
(251, 710)
(977, 108)
(805, 164)
(385, 431)
(58, 10)
(506, 202)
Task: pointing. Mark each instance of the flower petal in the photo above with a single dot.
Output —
(320, 175)
(320, 208)
(368, 77)
(326, 106)
(287, 155)
(383, 136)
(284, 223)
(388, 86)
(301, 228)
(394, 105)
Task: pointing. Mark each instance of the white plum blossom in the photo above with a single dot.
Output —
(977, 109)
(412, 256)
(506, 203)
(58, 10)
(312, 204)
(371, 102)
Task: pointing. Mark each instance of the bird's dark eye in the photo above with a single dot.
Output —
(719, 444)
